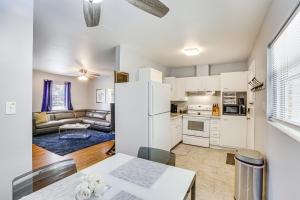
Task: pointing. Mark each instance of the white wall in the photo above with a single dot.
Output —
(217, 69)
(16, 19)
(181, 72)
(130, 60)
(79, 90)
(103, 82)
(280, 150)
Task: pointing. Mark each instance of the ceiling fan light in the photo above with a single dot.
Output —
(83, 78)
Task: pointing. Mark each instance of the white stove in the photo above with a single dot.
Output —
(196, 125)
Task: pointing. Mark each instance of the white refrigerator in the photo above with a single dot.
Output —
(142, 116)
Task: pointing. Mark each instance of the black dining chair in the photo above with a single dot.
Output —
(157, 155)
(37, 179)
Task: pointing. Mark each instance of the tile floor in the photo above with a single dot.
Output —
(215, 179)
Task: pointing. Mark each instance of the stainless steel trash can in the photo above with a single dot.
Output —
(249, 167)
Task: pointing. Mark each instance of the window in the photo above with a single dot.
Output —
(284, 74)
(58, 97)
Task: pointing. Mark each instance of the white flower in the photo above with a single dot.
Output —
(94, 180)
(99, 189)
(83, 192)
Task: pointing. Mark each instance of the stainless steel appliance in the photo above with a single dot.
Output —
(196, 125)
(249, 167)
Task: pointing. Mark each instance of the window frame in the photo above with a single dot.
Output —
(292, 130)
(64, 108)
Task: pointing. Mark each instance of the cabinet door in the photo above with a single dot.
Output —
(233, 132)
(181, 88)
(211, 83)
(172, 82)
(234, 81)
(179, 130)
(173, 133)
(193, 84)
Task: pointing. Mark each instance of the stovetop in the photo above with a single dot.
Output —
(200, 110)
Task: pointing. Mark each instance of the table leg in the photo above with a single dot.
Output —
(193, 190)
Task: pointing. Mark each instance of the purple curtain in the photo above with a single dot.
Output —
(47, 96)
(68, 102)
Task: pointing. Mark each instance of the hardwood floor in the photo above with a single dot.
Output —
(83, 158)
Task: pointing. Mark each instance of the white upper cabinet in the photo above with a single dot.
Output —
(181, 89)
(172, 82)
(177, 88)
(203, 83)
(212, 83)
(234, 81)
(193, 84)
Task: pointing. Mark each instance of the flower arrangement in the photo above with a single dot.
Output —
(91, 185)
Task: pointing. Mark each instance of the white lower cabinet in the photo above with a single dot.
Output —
(233, 131)
(176, 131)
(214, 138)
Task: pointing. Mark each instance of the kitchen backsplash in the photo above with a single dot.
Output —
(195, 100)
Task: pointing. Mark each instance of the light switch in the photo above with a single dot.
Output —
(11, 108)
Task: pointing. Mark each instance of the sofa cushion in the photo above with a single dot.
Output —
(79, 114)
(99, 115)
(49, 124)
(100, 122)
(41, 117)
(70, 121)
(66, 115)
(88, 120)
(89, 114)
(108, 117)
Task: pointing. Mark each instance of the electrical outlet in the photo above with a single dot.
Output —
(11, 108)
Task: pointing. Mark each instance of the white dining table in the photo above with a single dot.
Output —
(173, 184)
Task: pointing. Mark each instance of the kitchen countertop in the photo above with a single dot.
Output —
(176, 115)
(212, 117)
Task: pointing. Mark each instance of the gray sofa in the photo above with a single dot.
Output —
(96, 118)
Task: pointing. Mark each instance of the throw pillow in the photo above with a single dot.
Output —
(40, 117)
(108, 117)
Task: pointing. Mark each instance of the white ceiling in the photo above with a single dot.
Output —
(226, 30)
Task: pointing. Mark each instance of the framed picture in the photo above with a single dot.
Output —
(100, 96)
(110, 96)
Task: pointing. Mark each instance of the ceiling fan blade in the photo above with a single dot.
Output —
(92, 12)
(154, 7)
(93, 75)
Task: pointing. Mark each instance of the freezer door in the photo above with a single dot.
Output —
(159, 131)
(159, 98)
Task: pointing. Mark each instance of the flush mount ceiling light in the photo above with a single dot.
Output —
(192, 51)
(92, 9)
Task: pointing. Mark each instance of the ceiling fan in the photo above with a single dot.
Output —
(92, 9)
(84, 74)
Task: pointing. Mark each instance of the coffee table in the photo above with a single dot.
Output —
(74, 131)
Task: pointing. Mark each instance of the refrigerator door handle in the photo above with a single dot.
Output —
(151, 90)
(150, 135)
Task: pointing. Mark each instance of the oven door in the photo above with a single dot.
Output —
(230, 109)
(196, 126)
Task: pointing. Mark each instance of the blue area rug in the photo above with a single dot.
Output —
(62, 147)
